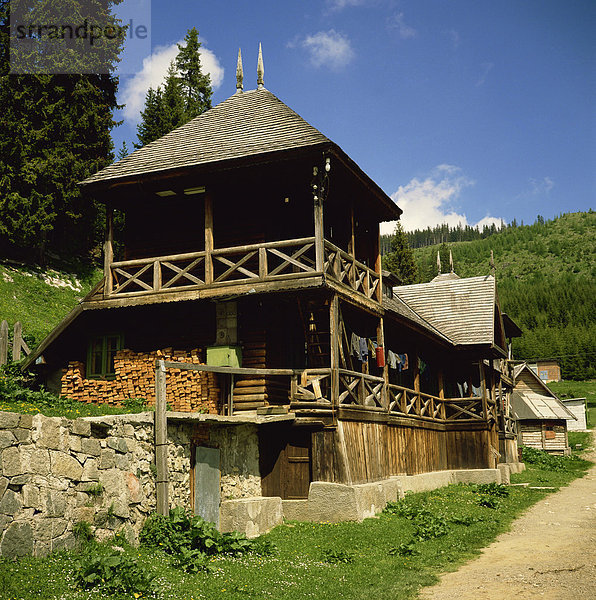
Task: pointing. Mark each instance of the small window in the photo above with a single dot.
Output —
(101, 354)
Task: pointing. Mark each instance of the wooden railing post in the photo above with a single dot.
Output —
(263, 267)
(17, 341)
(108, 251)
(208, 239)
(161, 440)
(483, 388)
(156, 276)
(334, 349)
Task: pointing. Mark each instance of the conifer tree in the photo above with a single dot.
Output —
(185, 94)
(401, 258)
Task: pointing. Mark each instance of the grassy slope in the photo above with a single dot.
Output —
(38, 305)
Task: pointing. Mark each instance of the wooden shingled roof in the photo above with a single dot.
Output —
(246, 124)
(462, 309)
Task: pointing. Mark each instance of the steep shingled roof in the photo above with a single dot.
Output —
(462, 309)
(529, 405)
(246, 124)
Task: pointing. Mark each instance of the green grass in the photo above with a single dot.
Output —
(26, 297)
(306, 565)
(578, 389)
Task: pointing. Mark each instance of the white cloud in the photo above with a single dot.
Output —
(153, 73)
(328, 48)
(430, 201)
(405, 31)
(341, 4)
(486, 69)
(542, 186)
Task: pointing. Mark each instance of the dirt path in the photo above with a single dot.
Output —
(550, 553)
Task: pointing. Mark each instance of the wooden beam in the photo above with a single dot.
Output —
(161, 440)
(208, 238)
(319, 235)
(381, 343)
(108, 251)
(334, 339)
(17, 341)
(352, 243)
(378, 265)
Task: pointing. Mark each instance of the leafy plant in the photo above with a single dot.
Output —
(96, 490)
(179, 530)
(82, 532)
(489, 501)
(547, 461)
(191, 561)
(429, 526)
(112, 572)
(492, 489)
(404, 549)
(337, 556)
(135, 404)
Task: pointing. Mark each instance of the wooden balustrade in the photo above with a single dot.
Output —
(311, 385)
(344, 268)
(360, 389)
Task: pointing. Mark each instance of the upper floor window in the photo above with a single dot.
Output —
(100, 356)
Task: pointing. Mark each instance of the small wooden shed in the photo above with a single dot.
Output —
(577, 406)
(542, 418)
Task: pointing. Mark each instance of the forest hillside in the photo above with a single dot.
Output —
(546, 274)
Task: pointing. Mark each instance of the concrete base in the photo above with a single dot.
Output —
(251, 516)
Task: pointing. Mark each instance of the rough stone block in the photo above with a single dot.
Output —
(113, 482)
(295, 510)
(251, 516)
(505, 473)
(135, 492)
(129, 430)
(9, 420)
(54, 503)
(11, 503)
(90, 470)
(17, 541)
(64, 465)
(48, 431)
(83, 513)
(332, 502)
(122, 462)
(31, 497)
(75, 443)
(38, 460)
(11, 462)
(3, 485)
(427, 481)
(49, 529)
(81, 427)
(23, 435)
(107, 458)
(477, 476)
(20, 480)
(26, 421)
(90, 446)
(7, 439)
(119, 508)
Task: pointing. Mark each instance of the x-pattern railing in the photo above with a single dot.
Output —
(360, 389)
(311, 385)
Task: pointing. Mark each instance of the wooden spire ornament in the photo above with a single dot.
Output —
(239, 73)
(260, 70)
(438, 263)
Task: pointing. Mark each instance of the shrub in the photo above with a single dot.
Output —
(404, 549)
(112, 572)
(337, 556)
(549, 462)
(82, 532)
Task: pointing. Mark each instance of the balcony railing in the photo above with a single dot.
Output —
(263, 262)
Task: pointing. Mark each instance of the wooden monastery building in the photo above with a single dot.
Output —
(542, 418)
(250, 252)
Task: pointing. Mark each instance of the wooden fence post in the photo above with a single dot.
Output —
(161, 440)
(3, 343)
(17, 341)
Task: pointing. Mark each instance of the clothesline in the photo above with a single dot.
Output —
(360, 347)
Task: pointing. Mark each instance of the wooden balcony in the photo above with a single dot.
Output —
(264, 263)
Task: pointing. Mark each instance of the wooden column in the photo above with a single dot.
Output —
(319, 235)
(483, 388)
(334, 347)
(378, 265)
(161, 440)
(416, 367)
(108, 251)
(441, 382)
(352, 243)
(17, 341)
(381, 342)
(208, 238)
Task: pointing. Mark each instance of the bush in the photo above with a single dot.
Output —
(549, 462)
(112, 573)
(179, 530)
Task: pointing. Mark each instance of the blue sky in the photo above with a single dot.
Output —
(461, 110)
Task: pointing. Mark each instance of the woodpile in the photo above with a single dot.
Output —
(187, 391)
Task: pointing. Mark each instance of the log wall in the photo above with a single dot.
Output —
(359, 452)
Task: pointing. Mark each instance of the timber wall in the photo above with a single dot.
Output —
(135, 378)
(359, 452)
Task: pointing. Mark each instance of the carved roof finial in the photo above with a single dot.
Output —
(450, 261)
(492, 265)
(438, 262)
(260, 70)
(239, 73)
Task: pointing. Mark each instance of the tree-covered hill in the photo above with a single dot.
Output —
(546, 275)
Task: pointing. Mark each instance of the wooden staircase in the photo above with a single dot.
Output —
(315, 320)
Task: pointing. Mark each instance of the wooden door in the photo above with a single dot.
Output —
(207, 484)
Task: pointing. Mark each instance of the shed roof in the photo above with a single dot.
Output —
(529, 405)
(462, 309)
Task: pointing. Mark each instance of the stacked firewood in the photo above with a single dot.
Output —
(135, 378)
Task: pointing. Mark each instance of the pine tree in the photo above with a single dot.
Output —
(54, 132)
(401, 258)
(185, 93)
(195, 85)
